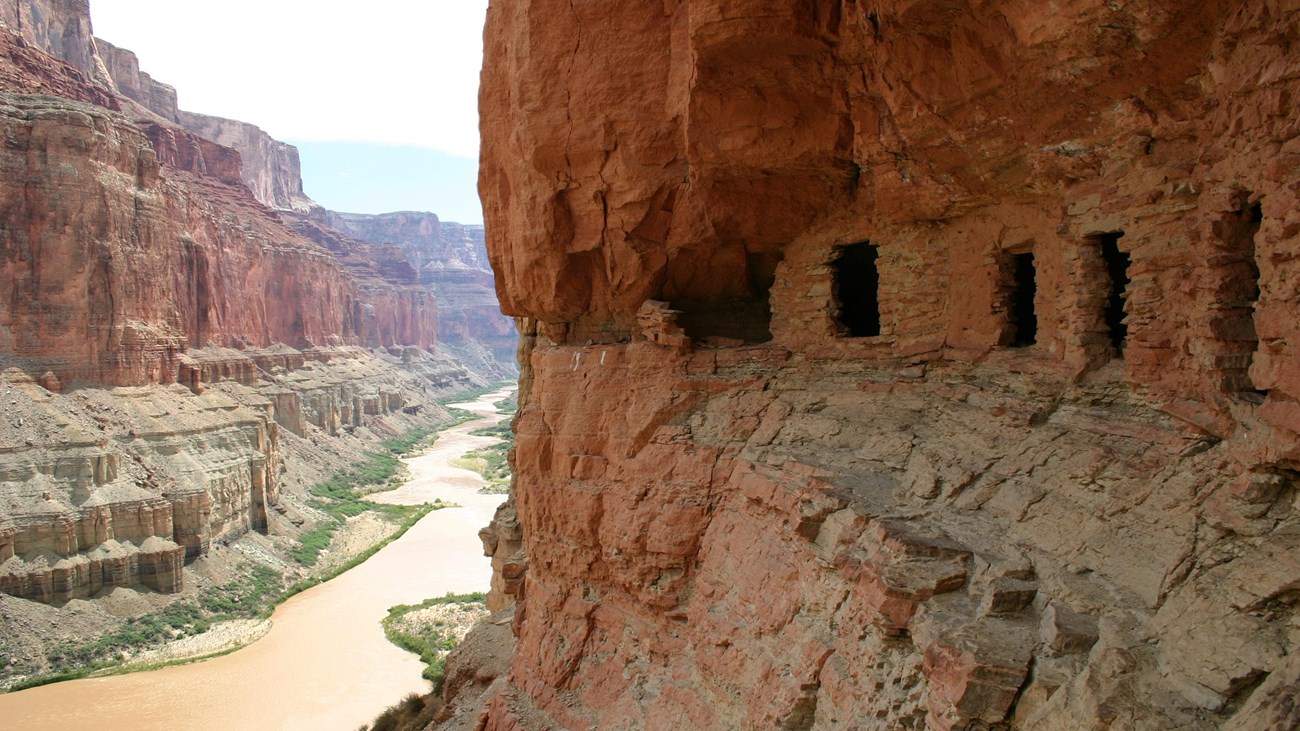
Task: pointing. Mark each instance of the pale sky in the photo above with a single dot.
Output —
(396, 72)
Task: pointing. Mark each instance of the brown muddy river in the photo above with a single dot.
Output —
(325, 664)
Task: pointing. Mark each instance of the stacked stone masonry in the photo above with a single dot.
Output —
(787, 526)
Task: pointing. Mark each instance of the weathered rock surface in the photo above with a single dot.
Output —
(756, 507)
(60, 28)
(451, 260)
(167, 333)
(118, 487)
(396, 308)
(26, 70)
(474, 670)
(93, 227)
(272, 169)
(108, 203)
(124, 69)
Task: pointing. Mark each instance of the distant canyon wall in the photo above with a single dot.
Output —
(272, 169)
(117, 263)
(123, 68)
(898, 365)
(451, 259)
(173, 330)
(132, 240)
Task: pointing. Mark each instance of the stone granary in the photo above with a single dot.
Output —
(987, 413)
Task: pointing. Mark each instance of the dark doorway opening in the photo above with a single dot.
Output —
(747, 317)
(1117, 264)
(1024, 319)
(1256, 220)
(857, 289)
(1239, 297)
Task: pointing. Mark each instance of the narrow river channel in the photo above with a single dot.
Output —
(325, 664)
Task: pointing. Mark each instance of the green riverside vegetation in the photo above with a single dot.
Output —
(339, 497)
(258, 589)
(471, 394)
(246, 597)
(432, 642)
(492, 461)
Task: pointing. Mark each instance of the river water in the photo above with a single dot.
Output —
(325, 663)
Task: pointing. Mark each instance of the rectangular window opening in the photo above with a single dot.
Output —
(1024, 319)
(1256, 215)
(1117, 263)
(856, 290)
(1244, 242)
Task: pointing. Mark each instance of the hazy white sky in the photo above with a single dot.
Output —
(397, 72)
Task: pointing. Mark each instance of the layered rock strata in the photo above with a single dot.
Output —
(899, 365)
(272, 169)
(162, 324)
(107, 204)
(451, 260)
(123, 68)
(60, 28)
(120, 487)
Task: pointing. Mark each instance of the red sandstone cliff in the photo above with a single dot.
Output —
(821, 488)
(109, 203)
(60, 28)
(123, 68)
(272, 169)
(376, 269)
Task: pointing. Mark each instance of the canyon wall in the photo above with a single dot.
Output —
(169, 338)
(450, 259)
(123, 68)
(60, 28)
(272, 169)
(898, 364)
(116, 263)
(131, 240)
(120, 487)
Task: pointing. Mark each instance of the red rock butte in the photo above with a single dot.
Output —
(897, 364)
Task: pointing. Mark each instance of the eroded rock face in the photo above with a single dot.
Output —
(451, 259)
(91, 230)
(134, 255)
(272, 169)
(60, 28)
(124, 69)
(129, 242)
(813, 483)
(396, 308)
(120, 487)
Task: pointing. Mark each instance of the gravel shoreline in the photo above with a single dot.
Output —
(223, 637)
